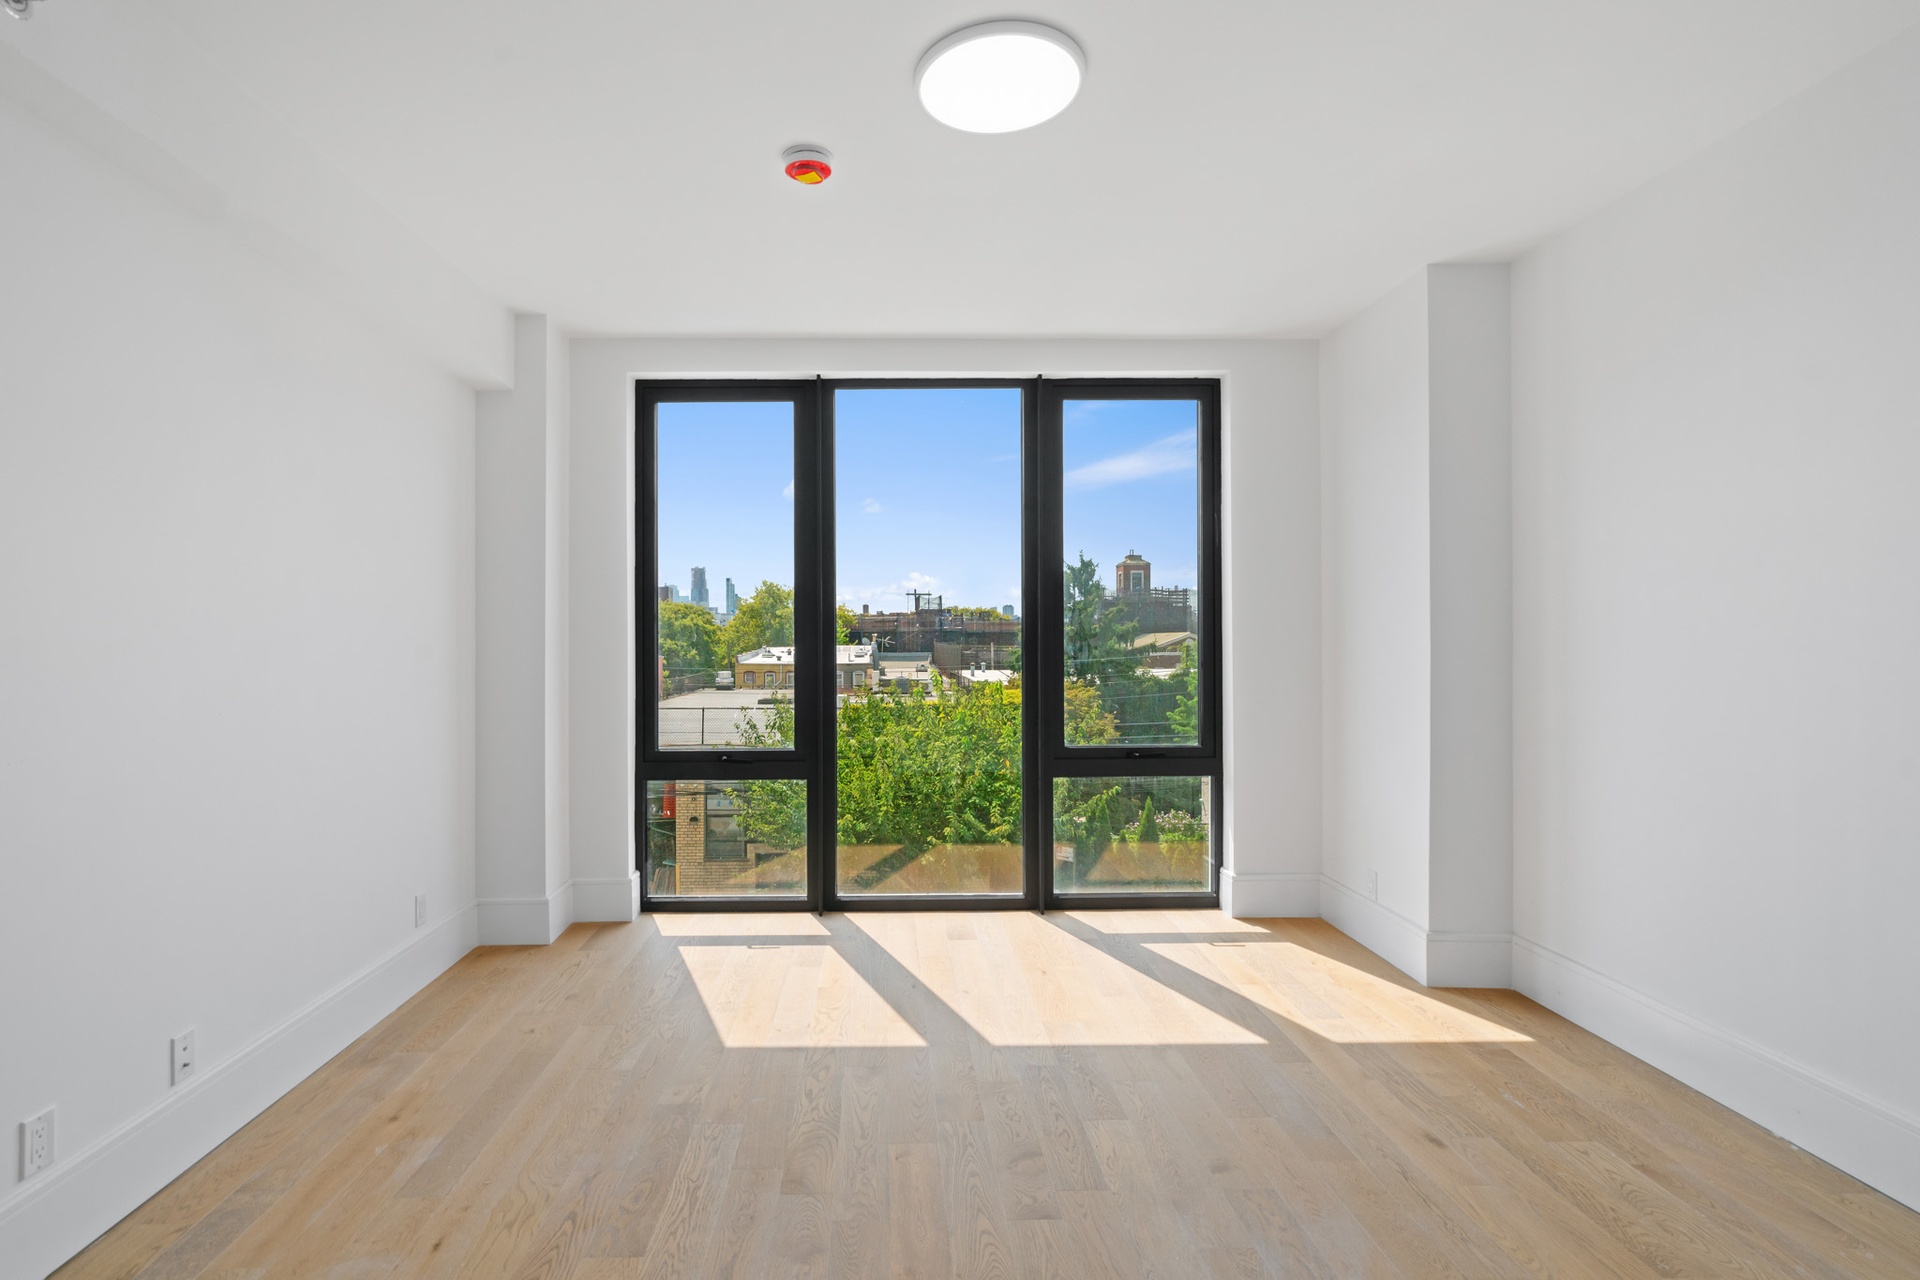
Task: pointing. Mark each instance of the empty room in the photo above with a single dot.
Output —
(1245, 639)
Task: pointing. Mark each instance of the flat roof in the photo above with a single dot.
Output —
(782, 655)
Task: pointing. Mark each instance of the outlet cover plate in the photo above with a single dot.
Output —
(185, 1057)
(36, 1144)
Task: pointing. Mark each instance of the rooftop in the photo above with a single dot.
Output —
(1164, 639)
(782, 655)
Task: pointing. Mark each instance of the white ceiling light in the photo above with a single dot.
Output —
(1000, 76)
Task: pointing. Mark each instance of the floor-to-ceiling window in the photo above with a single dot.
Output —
(966, 651)
(1133, 693)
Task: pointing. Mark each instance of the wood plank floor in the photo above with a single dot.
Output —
(1136, 1094)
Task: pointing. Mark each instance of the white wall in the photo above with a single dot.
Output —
(522, 867)
(1415, 617)
(558, 568)
(1469, 486)
(1271, 564)
(1375, 591)
(1717, 604)
(236, 681)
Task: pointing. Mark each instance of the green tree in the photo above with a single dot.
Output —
(1086, 813)
(763, 618)
(844, 621)
(775, 809)
(1100, 653)
(689, 638)
(1089, 722)
(1098, 642)
(1149, 832)
(775, 812)
(768, 726)
(931, 767)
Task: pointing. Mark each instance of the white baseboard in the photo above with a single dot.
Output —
(59, 1213)
(525, 922)
(1381, 930)
(1431, 958)
(616, 901)
(1259, 895)
(1469, 959)
(535, 922)
(1847, 1129)
(1855, 1133)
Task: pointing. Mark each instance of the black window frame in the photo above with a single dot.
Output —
(814, 756)
(1206, 758)
(653, 763)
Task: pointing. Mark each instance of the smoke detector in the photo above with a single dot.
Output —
(21, 9)
(806, 164)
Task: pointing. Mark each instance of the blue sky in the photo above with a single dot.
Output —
(928, 492)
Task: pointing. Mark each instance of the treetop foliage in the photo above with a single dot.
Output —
(763, 618)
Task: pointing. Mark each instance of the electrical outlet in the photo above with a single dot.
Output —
(36, 1144)
(184, 1057)
(419, 909)
(1373, 885)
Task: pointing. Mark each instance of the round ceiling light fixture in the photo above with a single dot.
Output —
(1000, 76)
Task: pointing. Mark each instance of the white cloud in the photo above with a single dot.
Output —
(787, 492)
(1174, 453)
(871, 507)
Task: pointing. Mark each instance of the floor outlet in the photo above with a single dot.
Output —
(183, 1057)
(36, 1144)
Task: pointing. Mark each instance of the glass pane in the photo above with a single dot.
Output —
(727, 839)
(1130, 514)
(724, 474)
(1133, 835)
(928, 527)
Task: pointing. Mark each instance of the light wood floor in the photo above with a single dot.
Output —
(1133, 1094)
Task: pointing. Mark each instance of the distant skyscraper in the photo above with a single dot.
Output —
(733, 600)
(699, 585)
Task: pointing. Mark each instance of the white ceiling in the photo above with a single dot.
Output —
(1265, 167)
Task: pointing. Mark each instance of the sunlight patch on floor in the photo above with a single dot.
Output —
(1017, 980)
(1334, 1000)
(1127, 923)
(782, 924)
(769, 996)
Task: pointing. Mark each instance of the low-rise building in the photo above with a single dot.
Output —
(902, 671)
(772, 667)
(1159, 651)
